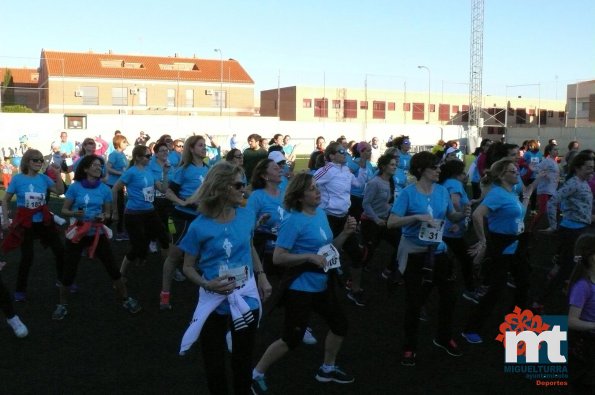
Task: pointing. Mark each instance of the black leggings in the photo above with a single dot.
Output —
(212, 340)
(5, 301)
(373, 234)
(72, 257)
(120, 208)
(49, 237)
(143, 227)
(351, 245)
(459, 248)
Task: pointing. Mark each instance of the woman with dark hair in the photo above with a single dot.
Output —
(88, 201)
(186, 180)
(221, 260)
(504, 243)
(87, 148)
(236, 157)
(581, 318)
(116, 164)
(362, 151)
(403, 144)
(141, 219)
(162, 171)
(276, 140)
(33, 219)
(308, 251)
(421, 210)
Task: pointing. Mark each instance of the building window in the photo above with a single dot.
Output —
(418, 112)
(321, 108)
(90, 95)
(391, 106)
(220, 99)
(444, 112)
(307, 103)
(189, 98)
(336, 104)
(432, 107)
(363, 105)
(119, 96)
(561, 114)
(550, 114)
(171, 97)
(406, 107)
(142, 96)
(521, 116)
(379, 110)
(350, 109)
(455, 109)
(75, 121)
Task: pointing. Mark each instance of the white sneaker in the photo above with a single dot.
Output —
(153, 246)
(308, 337)
(20, 330)
(228, 341)
(178, 276)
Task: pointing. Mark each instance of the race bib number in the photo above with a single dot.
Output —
(149, 194)
(34, 199)
(331, 255)
(432, 231)
(238, 274)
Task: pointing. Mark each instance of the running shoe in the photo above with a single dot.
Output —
(20, 296)
(74, 289)
(179, 276)
(122, 236)
(472, 337)
(450, 347)
(228, 341)
(20, 330)
(348, 285)
(60, 312)
(471, 296)
(336, 375)
(408, 358)
(153, 247)
(386, 274)
(357, 297)
(510, 283)
(131, 305)
(259, 386)
(423, 315)
(309, 338)
(164, 301)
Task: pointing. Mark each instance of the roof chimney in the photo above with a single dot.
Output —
(109, 51)
(176, 55)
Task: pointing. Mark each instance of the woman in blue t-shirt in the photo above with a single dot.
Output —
(157, 165)
(361, 151)
(421, 210)
(403, 144)
(141, 219)
(505, 214)
(221, 260)
(116, 164)
(306, 249)
(88, 201)
(33, 219)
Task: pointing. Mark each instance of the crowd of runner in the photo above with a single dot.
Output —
(253, 234)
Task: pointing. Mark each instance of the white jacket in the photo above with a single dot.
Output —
(334, 182)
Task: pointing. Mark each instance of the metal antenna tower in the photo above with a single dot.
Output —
(476, 68)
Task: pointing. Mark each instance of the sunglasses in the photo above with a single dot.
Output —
(238, 156)
(340, 151)
(179, 146)
(239, 185)
(435, 167)
(37, 160)
(148, 156)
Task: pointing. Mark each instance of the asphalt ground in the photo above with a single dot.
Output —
(100, 349)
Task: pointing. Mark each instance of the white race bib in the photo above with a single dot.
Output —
(34, 199)
(149, 194)
(432, 231)
(331, 255)
(238, 274)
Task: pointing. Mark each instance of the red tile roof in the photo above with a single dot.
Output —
(21, 76)
(89, 64)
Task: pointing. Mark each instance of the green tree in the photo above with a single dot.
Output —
(7, 90)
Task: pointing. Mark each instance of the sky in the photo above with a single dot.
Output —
(543, 44)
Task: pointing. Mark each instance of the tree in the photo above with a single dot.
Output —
(7, 90)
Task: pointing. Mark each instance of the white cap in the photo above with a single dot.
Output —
(277, 156)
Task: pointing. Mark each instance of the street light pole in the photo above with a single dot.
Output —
(220, 80)
(429, 89)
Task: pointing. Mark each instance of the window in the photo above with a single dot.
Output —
(119, 96)
(321, 108)
(465, 107)
(90, 95)
(189, 98)
(363, 105)
(171, 97)
(336, 104)
(220, 99)
(391, 106)
(75, 121)
(444, 112)
(550, 114)
(542, 117)
(350, 109)
(406, 107)
(455, 109)
(379, 110)
(561, 114)
(142, 96)
(521, 116)
(432, 107)
(307, 103)
(418, 112)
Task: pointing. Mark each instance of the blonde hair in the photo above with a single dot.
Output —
(212, 195)
(187, 156)
(27, 156)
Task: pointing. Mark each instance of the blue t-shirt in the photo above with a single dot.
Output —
(260, 202)
(454, 186)
(301, 233)
(533, 159)
(412, 202)
(506, 211)
(30, 191)
(402, 169)
(157, 171)
(90, 200)
(582, 295)
(140, 185)
(370, 171)
(119, 162)
(67, 147)
(174, 158)
(288, 149)
(220, 246)
(214, 155)
(189, 179)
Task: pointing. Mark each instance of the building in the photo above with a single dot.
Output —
(581, 104)
(365, 106)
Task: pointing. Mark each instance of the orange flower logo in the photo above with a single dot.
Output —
(520, 321)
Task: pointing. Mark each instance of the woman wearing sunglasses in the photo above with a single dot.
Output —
(220, 259)
(33, 219)
(421, 210)
(140, 218)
